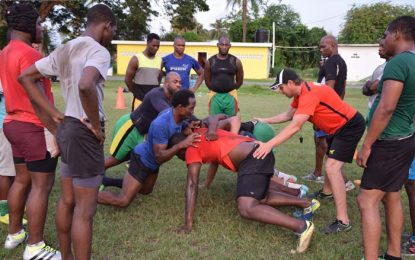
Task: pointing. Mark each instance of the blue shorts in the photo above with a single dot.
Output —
(320, 133)
(412, 171)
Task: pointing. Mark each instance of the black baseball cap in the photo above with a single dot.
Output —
(283, 77)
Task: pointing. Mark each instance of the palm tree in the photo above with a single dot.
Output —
(244, 5)
(218, 30)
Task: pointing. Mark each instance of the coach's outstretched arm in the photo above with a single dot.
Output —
(280, 118)
(285, 134)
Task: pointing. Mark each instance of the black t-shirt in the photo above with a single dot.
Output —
(154, 102)
(335, 69)
(223, 73)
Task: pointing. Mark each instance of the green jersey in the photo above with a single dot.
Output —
(399, 68)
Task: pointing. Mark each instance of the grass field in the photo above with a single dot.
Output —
(145, 230)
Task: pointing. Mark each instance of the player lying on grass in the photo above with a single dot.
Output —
(255, 200)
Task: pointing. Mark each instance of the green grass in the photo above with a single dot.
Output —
(145, 229)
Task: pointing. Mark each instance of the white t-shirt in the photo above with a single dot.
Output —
(68, 62)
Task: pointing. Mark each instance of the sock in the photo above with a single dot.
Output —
(37, 244)
(344, 224)
(112, 182)
(4, 209)
(302, 229)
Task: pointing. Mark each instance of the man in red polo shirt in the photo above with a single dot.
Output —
(320, 105)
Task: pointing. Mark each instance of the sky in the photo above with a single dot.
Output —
(328, 14)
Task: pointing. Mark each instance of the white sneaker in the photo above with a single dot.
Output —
(285, 177)
(13, 240)
(349, 185)
(41, 251)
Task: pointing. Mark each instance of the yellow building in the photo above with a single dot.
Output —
(255, 57)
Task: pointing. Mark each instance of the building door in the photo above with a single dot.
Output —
(201, 58)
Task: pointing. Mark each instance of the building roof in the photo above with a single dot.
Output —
(212, 43)
(358, 44)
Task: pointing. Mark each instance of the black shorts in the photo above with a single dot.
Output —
(140, 90)
(47, 165)
(388, 164)
(254, 176)
(342, 145)
(80, 149)
(138, 170)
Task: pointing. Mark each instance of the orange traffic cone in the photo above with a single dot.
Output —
(120, 103)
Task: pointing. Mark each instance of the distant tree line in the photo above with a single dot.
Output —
(363, 24)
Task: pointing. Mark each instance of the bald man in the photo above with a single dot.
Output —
(334, 68)
(224, 75)
(130, 129)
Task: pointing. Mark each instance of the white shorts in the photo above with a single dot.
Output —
(6, 157)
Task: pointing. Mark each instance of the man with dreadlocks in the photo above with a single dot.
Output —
(34, 154)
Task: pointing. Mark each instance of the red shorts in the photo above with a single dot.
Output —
(28, 140)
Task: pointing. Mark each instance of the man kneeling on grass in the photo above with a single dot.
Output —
(254, 198)
(147, 157)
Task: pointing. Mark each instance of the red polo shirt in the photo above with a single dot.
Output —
(325, 108)
(215, 151)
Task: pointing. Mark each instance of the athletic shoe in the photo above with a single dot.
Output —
(336, 227)
(381, 257)
(5, 219)
(303, 191)
(41, 251)
(349, 185)
(312, 177)
(320, 195)
(308, 212)
(13, 240)
(285, 177)
(304, 238)
(408, 247)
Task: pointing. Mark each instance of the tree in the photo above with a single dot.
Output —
(219, 29)
(69, 17)
(254, 4)
(289, 32)
(133, 18)
(181, 13)
(367, 23)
